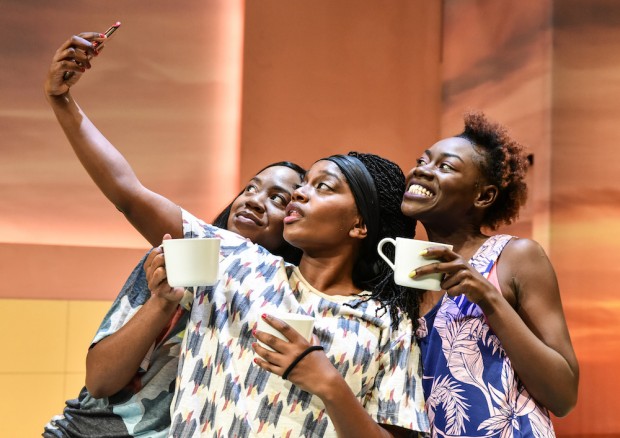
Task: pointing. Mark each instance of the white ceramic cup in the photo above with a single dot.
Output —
(408, 258)
(302, 323)
(192, 262)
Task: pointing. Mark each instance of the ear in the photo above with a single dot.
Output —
(486, 196)
(359, 230)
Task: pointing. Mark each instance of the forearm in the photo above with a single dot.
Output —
(114, 361)
(549, 377)
(346, 412)
(150, 213)
(103, 162)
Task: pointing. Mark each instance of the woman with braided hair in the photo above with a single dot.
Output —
(360, 374)
(496, 349)
(363, 377)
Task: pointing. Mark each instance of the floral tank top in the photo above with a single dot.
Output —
(470, 387)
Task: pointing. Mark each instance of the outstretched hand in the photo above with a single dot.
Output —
(310, 374)
(157, 279)
(460, 278)
(72, 57)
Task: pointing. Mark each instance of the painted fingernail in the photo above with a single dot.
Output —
(254, 332)
(264, 316)
(412, 274)
(256, 361)
(423, 252)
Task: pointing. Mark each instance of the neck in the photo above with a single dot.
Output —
(330, 275)
(463, 240)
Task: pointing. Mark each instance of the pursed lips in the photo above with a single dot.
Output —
(292, 212)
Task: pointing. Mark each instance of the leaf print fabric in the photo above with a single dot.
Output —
(470, 386)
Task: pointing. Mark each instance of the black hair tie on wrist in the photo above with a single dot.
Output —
(299, 358)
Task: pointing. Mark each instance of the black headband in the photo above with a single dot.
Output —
(364, 192)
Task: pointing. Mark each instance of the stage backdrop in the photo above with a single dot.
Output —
(199, 95)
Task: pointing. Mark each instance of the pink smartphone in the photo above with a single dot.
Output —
(108, 33)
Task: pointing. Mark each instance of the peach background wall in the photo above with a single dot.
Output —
(198, 96)
(551, 71)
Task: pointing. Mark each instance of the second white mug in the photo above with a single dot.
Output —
(407, 258)
(302, 323)
(192, 262)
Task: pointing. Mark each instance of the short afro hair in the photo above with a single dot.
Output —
(503, 163)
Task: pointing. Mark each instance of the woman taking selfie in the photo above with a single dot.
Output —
(132, 360)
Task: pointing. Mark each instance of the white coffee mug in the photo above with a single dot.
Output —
(407, 258)
(302, 323)
(192, 262)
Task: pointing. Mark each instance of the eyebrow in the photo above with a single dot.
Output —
(275, 187)
(445, 154)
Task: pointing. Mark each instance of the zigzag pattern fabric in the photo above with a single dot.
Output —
(221, 392)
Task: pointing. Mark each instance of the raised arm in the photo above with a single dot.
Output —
(150, 213)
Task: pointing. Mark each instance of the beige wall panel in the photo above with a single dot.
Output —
(326, 77)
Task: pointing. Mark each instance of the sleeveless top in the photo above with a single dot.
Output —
(470, 387)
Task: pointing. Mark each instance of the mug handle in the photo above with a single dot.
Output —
(380, 250)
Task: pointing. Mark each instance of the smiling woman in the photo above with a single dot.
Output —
(133, 359)
(500, 294)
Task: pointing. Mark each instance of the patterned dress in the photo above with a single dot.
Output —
(142, 409)
(222, 393)
(470, 386)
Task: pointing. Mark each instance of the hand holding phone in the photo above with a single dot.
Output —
(96, 44)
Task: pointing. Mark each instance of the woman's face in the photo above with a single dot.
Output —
(258, 212)
(322, 212)
(444, 182)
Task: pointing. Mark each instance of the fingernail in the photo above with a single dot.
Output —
(255, 360)
(254, 332)
(423, 252)
(102, 35)
(412, 274)
(264, 316)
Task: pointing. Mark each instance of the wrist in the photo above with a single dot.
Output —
(332, 387)
(163, 305)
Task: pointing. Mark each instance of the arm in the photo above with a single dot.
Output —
(114, 361)
(534, 334)
(150, 213)
(316, 375)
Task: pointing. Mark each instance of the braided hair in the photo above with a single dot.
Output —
(287, 251)
(379, 207)
(503, 163)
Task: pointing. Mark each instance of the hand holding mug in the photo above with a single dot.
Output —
(409, 257)
(459, 277)
(157, 278)
(295, 356)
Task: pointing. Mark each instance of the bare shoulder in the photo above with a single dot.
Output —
(525, 269)
(523, 250)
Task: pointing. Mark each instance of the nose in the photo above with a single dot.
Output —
(299, 194)
(422, 171)
(256, 201)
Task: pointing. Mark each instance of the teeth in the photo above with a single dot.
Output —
(419, 190)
